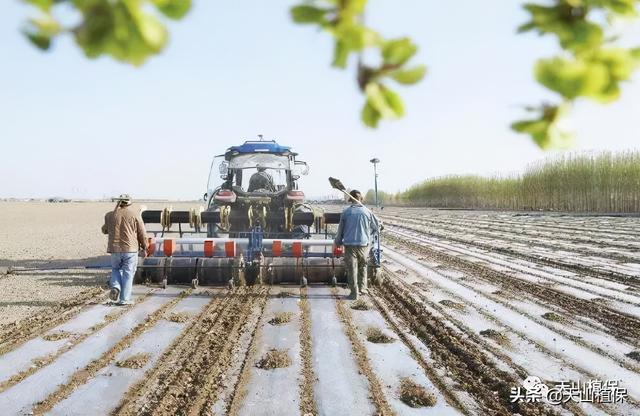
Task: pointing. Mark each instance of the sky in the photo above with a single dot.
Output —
(81, 128)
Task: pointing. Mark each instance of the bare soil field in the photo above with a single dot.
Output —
(37, 233)
(63, 236)
(472, 305)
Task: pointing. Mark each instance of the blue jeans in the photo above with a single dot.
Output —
(123, 267)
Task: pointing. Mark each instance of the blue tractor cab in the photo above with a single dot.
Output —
(263, 146)
(256, 183)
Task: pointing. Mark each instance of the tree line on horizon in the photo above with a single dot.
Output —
(579, 182)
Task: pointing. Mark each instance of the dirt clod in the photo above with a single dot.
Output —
(284, 294)
(179, 317)
(634, 355)
(55, 336)
(376, 336)
(421, 285)
(601, 301)
(274, 358)
(360, 305)
(281, 318)
(39, 362)
(497, 336)
(415, 395)
(135, 361)
(554, 317)
(451, 304)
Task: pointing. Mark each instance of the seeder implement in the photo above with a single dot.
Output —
(256, 228)
(248, 258)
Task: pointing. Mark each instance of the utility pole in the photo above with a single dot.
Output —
(375, 162)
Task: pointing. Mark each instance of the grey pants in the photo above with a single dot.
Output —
(355, 259)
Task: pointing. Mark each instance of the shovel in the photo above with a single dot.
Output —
(337, 184)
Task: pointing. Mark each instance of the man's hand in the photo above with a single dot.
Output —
(142, 252)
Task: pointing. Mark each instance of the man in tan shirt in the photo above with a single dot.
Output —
(127, 235)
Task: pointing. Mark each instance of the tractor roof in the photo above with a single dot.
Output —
(269, 146)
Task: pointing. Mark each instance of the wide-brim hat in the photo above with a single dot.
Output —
(125, 199)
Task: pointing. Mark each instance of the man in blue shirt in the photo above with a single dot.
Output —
(357, 227)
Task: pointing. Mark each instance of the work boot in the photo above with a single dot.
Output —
(114, 294)
(353, 295)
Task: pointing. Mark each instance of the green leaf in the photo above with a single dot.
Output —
(306, 14)
(568, 22)
(398, 51)
(547, 130)
(154, 34)
(370, 116)
(45, 25)
(350, 10)
(610, 93)
(596, 75)
(44, 5)
(572, 79)
(173, 9)
(41, 30)
(624, 8)
(126, 42)
(123, 31)
(39, 40)
(340, 54)
(96, 30)
(581, 36)
(548, 136)
(355, 6)
(526, 27)
(384, 101)
(530, 126)
(409, 76)
(356, 37)
(395, 102)
(541, 17)
(377, 100)
(620, 62)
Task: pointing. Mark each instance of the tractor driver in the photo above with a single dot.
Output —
(261, 180)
